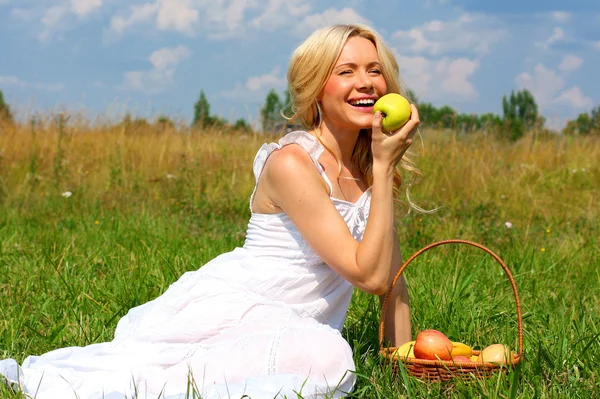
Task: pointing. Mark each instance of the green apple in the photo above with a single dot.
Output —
(395, 109)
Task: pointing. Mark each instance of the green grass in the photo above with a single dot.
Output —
(71, 267)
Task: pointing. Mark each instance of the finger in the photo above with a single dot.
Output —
(414, 113)
(376, 124)
(411, 126)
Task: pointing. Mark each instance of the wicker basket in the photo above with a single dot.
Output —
(444, 370)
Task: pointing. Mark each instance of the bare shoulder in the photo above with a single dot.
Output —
(291, 160)
(291, 171)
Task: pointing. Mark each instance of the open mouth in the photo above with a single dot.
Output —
(362, 103)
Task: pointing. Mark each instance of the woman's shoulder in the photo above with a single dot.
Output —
(289, 161)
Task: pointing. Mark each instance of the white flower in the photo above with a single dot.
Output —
(170, 176)
(67, 194)
(508, 225)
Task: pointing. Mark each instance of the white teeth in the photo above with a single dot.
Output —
(363, 102)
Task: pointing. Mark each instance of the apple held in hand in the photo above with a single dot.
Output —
(433, 345)
(395, 109)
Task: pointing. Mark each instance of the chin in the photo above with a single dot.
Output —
(365, 123)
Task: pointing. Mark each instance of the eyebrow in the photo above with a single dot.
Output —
(353, 65)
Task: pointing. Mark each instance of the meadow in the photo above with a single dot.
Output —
(98, 218)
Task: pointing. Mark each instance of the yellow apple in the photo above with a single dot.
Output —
(395, 109)
(495, 353)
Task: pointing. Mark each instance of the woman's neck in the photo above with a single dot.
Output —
(340, 142)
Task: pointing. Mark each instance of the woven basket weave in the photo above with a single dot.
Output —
(444, 370)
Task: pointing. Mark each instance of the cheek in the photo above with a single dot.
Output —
(333, 87)
(381, 85)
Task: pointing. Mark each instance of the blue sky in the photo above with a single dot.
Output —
(151, 57)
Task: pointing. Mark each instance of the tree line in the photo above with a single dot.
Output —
(519, 115)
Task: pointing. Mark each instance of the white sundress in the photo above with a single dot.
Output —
(263, 320)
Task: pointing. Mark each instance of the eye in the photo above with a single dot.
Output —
(376, 71)
(346, 72)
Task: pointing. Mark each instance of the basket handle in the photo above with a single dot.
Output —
(474, 244)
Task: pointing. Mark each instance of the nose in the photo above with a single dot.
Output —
(365, 82)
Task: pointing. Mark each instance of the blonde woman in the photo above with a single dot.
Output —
(265, 319)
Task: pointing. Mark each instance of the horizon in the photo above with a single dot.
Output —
(103, 59)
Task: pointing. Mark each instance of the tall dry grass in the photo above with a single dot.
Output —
(551, 177)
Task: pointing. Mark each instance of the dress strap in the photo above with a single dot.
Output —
(306, 140)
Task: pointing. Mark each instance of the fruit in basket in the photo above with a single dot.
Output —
(463, 359)
(460, 349)
(495, 353)
(406, 350)
(474, 358)
(432, 345)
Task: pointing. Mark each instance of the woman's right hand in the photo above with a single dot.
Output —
(389, 147)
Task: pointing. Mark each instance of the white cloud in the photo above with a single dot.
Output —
(278, 13)
(445, 79)
(50, 86)
(52, 19)
(266, 81)
(176, 15)
(168, 15)
(570, 63)
(138, 13)
(53, 15)
(548, 88)
(560, 16)
(328, 17)
(469, 33)
(416, 72)
(11, 81)
(558, 34)
(160, 77)
(21, 13)
(222, 19)
(575, 98)
(228, 21)
(84, 7)
(544, 84)
(15, 81)
(168, 57)
(455, 77)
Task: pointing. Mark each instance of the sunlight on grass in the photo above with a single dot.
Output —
(97, 219)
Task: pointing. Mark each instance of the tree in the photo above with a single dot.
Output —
(520, 113)
(6, 116)
(412, 97)
(242, 125)
(164, 122)
(585, 124)
(202, 116)
(271, 112)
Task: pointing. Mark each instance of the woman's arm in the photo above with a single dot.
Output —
(397, 327)
(292, 183)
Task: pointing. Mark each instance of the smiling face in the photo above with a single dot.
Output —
(353, 87)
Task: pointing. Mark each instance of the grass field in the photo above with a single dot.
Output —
(96, 220)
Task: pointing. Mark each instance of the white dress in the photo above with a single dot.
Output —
(263, 320)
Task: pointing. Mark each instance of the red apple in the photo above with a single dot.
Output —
(433, 345)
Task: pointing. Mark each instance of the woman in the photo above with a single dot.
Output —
(265, 320)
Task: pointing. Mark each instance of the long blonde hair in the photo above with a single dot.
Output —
(311, 66)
